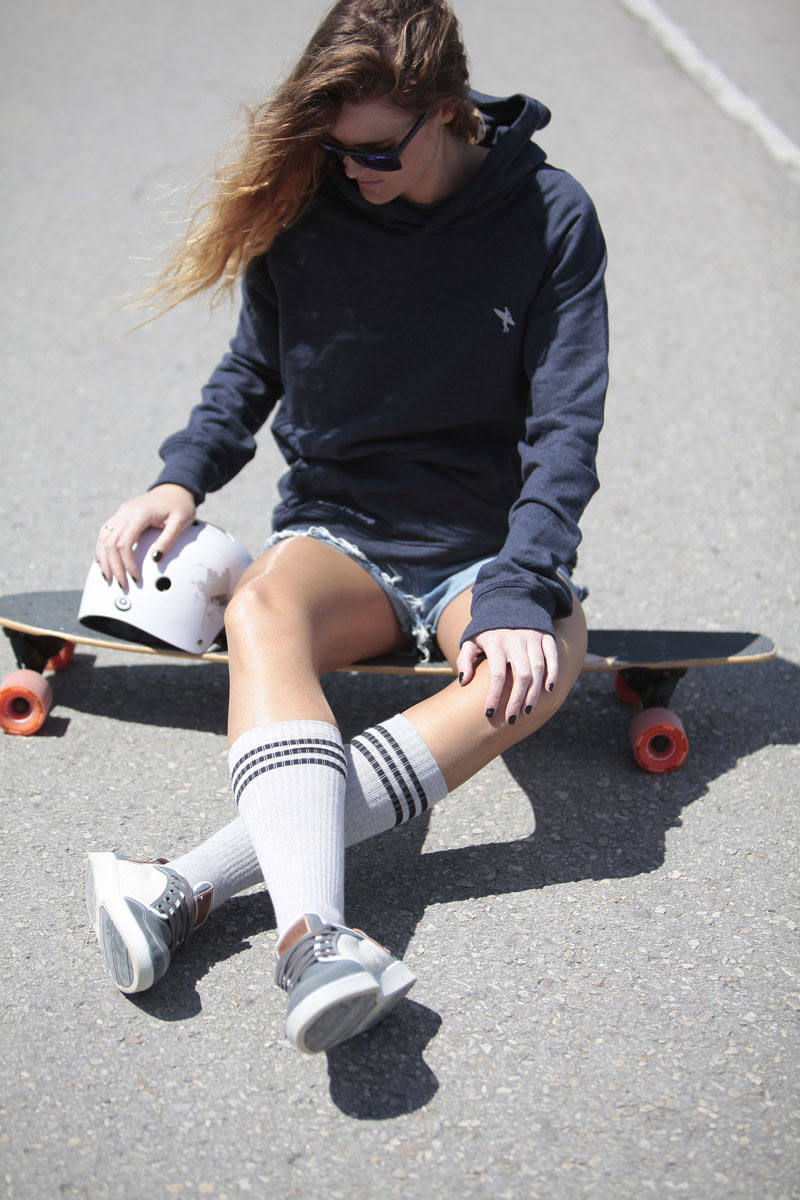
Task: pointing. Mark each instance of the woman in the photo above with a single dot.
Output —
(423, 301)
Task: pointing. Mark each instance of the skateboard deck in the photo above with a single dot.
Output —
(43, 629)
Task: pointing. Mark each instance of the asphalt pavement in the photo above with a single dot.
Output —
(608, 961)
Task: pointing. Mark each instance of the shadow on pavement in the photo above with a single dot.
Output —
(177, 695)
(226, 934)
(598, 816)
(383, 1073)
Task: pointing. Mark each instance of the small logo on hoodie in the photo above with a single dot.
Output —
(506, 317)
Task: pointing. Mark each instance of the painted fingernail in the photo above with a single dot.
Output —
(460, 676)
(549, 687)
(528, 709)
(158, 555)
(490, 712)
(512, 720)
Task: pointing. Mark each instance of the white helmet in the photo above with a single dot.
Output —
(179, 602)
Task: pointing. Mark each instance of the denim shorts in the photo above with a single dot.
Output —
(418, 593)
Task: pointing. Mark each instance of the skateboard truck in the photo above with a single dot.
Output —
(34, 653)
(648, 687)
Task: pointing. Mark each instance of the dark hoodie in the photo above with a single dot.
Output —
(439, 372)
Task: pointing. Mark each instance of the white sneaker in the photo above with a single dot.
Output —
(142, 912)
(340, 982)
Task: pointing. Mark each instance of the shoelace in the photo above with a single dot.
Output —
(310, 948)
(173, 905)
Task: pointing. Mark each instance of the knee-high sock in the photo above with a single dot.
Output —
(391, 777)
(288, 781)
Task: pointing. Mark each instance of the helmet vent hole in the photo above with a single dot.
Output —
(163, 584)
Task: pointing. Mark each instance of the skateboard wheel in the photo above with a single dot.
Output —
(659, 740)
(25, 700)
(625, 691)
(61, 659)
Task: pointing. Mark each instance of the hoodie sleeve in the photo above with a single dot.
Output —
(565, 359)
(220, 436)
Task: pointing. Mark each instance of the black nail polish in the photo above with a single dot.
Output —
(490, 712)
(158, 555)
(460, 676)
(512, 720)
(549, 687)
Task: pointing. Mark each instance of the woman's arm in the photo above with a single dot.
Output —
(219, 438)
(565, 359)
(217, 441)
(519, 594)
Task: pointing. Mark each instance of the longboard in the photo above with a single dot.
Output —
(43, 629)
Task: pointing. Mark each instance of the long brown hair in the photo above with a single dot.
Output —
(409, 51)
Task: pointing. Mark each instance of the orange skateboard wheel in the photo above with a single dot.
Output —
(61, 659)
(659, 740)
(25, 700)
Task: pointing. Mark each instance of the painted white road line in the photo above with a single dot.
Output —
(725, 93)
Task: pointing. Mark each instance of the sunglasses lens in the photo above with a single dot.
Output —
(376, 162)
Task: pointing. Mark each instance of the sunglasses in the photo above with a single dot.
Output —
(376, 160)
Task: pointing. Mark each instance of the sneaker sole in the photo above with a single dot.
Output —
(332, 1012)
(126, 951)
(341, 1010)
(395, 982)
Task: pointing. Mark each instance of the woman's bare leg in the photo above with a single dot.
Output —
(453, 723)
(301, 609)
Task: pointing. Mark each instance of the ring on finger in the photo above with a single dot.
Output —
(110, 528)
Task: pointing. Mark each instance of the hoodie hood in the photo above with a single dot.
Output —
(509, 123)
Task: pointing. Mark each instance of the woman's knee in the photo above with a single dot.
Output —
(261, 606)
(305, 597)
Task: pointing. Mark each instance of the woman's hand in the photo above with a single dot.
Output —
(524, 658)
(169, 507)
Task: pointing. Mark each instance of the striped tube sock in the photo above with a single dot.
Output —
(288, 782)
(226, 859)
(391, 777)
